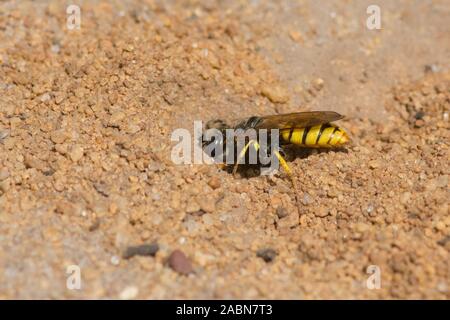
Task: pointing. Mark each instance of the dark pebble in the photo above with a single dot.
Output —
(49, 173)
(419, 115)
(95, 225)
(282, 212)
(141, 250)
(267, 255)
(444, 241)
(198, 213)
(180, 263)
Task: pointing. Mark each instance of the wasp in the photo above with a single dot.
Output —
(311, 129)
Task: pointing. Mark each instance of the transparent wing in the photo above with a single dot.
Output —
(297, 119)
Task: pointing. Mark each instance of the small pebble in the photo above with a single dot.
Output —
(419, 123)
(141, 250)
(76, 153)
(207, 204)
(362, 227)
(442, 286)
(214, 182)
(267, 254)
(373, 164)
(208, 219)
(275, 94)
(419, 115)
(444, 241)
(431, 68)
(55, 48)
(307, 199)
(318, 84)
(180, 263)
(129, 293)
(445, 117)
(321, 212)
(405, 197)
(116, 118)
(115, 260)
(5, 185)
(282, 212)
(4, 134)
(4, 173)
(58, 136)
(45, 97)
(296, 36)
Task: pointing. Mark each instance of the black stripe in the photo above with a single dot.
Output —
(322, 127)
(305, 133)
(290, 134)
(332, 134)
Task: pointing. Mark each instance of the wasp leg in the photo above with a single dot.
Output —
(243, 153)
(283, 163)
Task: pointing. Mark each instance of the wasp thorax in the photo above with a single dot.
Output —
(216, 124)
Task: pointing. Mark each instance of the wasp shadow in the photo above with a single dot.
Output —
(290, 153)
(293, 152)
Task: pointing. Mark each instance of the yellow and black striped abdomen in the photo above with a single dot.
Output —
(321, 136)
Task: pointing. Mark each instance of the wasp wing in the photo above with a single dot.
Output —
(297, 119)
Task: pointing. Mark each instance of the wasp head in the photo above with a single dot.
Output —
(213, 138)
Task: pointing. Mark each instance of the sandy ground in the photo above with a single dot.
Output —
(86, 118)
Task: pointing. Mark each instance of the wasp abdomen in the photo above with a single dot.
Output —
(320, 136)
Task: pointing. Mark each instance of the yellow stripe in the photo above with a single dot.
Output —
(337, 136)
(326, 134)
(297, 136)
(311, 137)
(285, 134)
(330, 137)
